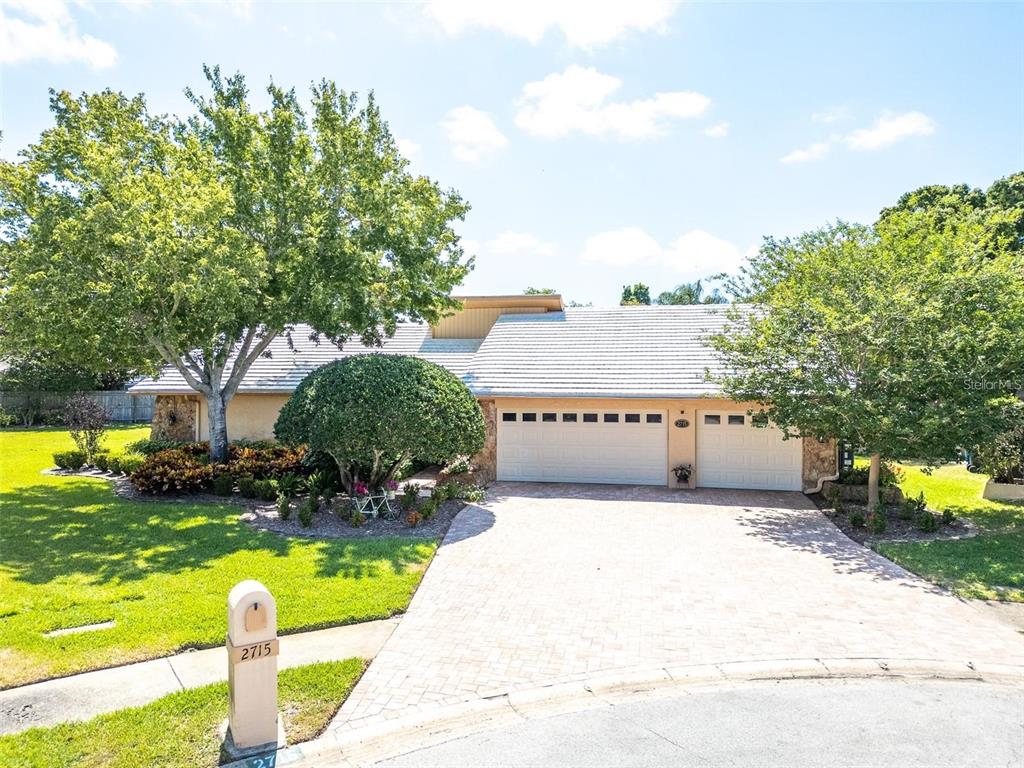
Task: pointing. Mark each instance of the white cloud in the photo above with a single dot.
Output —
(693, 255)
(621, 248)
(808, 154)
(409, 149)
(585, 24)
(577, 100)
(522, 243)
(473, 134)
(44, 29)
(717, 131)
(829, 116)
(890, 128)
(699, 253)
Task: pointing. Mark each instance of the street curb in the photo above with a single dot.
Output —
(357, 745)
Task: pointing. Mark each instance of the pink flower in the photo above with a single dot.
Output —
(361, 489)
(392, 485)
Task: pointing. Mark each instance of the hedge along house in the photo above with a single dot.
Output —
(583, 395)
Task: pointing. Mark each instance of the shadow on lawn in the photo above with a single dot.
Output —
(80, 528)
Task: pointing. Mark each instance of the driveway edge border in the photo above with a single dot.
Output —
(355, 745)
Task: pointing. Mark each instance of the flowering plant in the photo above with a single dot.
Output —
(361, 489)
(392, 485)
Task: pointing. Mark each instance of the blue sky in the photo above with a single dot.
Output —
(599, 144)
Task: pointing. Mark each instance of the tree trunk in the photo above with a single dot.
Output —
(216, 406)
(873, 474)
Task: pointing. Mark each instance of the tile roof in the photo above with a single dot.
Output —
(645, 351)
(285, 368)
(638, 351)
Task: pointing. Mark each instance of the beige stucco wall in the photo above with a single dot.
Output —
(250, 417)
(682, 441)
(477, 322)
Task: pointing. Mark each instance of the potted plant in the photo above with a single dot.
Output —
(392, 487)
(361, 496)
(682, 473)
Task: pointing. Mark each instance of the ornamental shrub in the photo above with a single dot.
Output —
(172, 471)
(889, 476)
(876, 521)
(128, 463)
(87, 421)
(284, 506)
(223, 484)
(1003, 456)
(72, 460)
(149, 446)
(101, 461)
(372, 413)
(927, 522)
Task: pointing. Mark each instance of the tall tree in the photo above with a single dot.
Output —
(901, 338)
(531, 291)
(690, 293)
(141, 241)
(635, 294)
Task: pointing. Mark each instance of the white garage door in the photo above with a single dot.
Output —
(583, 446)
(732, 453)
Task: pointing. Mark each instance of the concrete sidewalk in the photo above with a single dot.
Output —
(80, 697)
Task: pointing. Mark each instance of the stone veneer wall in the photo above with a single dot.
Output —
(174, 417)
(486, 462)
(820, 460)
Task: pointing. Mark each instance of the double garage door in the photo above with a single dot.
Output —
(631, 447)
(598, 446)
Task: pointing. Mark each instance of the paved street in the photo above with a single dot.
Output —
(790, 725)
(550, 583)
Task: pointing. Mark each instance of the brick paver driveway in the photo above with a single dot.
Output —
(548, 583)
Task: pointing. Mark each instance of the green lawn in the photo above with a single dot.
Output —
(71, 553)
(180, 730)
(989, 566)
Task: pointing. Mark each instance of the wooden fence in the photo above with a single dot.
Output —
(120, 406)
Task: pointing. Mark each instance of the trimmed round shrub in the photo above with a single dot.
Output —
(372, 413)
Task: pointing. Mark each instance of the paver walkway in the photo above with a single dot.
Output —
(549, 583)
(79, 697)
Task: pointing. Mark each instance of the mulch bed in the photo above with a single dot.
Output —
(332, 522)
(896, 529)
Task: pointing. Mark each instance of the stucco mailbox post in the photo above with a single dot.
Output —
(252, 669)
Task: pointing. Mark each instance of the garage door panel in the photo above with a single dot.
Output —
(584, 452)
(739, 455)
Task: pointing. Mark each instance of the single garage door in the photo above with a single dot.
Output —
(583, 446)
(732, 453)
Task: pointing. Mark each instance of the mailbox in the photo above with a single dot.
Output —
(252, 646)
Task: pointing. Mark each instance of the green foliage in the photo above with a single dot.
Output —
(289, 484)
(149, 446)
(531, 291)
(87, 421)
(635, 294)
(266, 490)
(101, 461)
(373, 412)
(247, 488)
(458, 466)
(318, 483)
(173, 471)
(690, 293)
(876, 521)
(6, 419)
(410, 495)
(927, 522)
(907, 509)
(1002, 456)
(889, 475)
(429, 507)
(900, 337)
(307, 509)
(223, 484)
(134, 240)
(284, 506)
(948, 517)
(73, 460)
(125, 463)
(857, 519)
